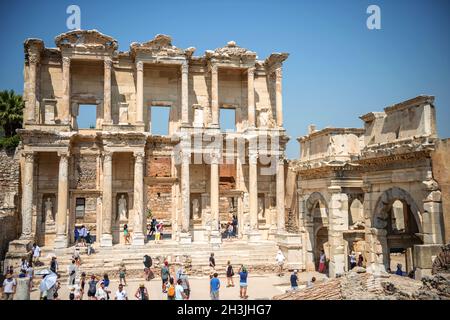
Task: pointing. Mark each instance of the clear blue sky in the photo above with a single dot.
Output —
(337, 69)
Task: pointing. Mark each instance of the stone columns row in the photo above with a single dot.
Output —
(27, 196)
(138, 205)
(280, 195)
(253, 196)
(251, 96)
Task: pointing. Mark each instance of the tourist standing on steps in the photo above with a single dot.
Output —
(212, 264)
(229, 230)
(106, 282)
(72, 269)
(230, 274)
(82, 284)
(36, 254)
(30, 274)
(76, 256)
(122, 274)
(92, 287)
(157, 232)
(399, 271)
(214, 287)
(243, 275)
(294, 279)
(322, 262)
(9, 287)
(235, 225)
(141, 293)
(126, 234)
(165, 274)
(54, 265)
(280, 262)
(121, 294)
(352, 260)
(360, 260)
(76, 235)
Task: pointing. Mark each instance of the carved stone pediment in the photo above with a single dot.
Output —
(92, 39)
(45, 138)
(161, 46)
(113, 139)
(231, 52)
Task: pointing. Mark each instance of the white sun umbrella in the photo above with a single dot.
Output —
(48, 282)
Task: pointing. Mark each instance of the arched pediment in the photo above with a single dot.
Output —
(86, 38)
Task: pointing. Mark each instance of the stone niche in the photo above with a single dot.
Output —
(123, 113)
(198, 116)
(49, 111)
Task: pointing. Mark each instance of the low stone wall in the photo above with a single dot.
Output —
(9, 199)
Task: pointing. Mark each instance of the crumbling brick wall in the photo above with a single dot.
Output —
(9, 199)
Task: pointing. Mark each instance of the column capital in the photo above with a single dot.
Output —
(63, 154)
(34, 58)
(251, 71)
(29, 156)
(253, 157)
(214, 68)
(107, 155)
(335, 189)
(107, 62)
(139, 156)
(140, 66)
(185, 67)
(185, 157)
(66, 62)
(215, 157)
(278, 73)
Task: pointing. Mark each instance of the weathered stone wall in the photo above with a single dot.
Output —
(9, 199)
(441, 173)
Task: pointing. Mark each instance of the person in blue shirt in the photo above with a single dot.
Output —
(76, 235)
(214, 286)
(294, 280)
(399, 271)
(243, 274)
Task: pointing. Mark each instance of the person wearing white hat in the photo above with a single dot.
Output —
(280, 261)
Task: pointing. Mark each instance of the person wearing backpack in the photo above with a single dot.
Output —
(165, 275)
(171, 290)
(148, 274)
(230, 274)
(141, 292)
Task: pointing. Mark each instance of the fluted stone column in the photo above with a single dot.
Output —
(65, 103)
(106, 238)
(140, 92)
(185, 93)
(254, 234)
(215, 237)
(107, 116)
(33, 61)
(27, 196)
(278, 97)
(61, 239)
(185, 195)
(280, 196)
(138, 228)
(251, 96)
(215, 96)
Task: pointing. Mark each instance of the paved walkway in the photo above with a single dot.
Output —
(259, 287)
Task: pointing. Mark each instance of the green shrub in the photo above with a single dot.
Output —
(9, 143)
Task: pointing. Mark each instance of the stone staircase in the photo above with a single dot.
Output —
(257, 257)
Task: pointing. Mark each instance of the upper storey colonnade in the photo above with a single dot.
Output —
(87, 68)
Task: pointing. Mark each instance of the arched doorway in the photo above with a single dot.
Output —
(318, 222)
(397, 214)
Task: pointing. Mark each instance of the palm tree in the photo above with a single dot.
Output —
(11, 112)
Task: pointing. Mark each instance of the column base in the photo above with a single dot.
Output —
(106, 240)
(254, 236)
(22, 289)
(185, 238)
(215, 239)
(138, 239)
(61, 241)
(291, 246)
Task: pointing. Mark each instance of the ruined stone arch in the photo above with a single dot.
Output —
(384, 204)
(311, 202)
